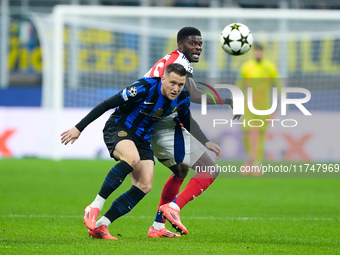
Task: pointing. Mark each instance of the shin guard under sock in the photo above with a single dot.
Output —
(114, 178)
(196, 186)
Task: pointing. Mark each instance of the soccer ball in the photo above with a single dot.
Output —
(236, 39)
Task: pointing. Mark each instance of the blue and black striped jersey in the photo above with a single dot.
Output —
(140, 106)
(144, 105)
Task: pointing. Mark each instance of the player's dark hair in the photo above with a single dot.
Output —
(258, 46)
(176, 68)
(187, 31)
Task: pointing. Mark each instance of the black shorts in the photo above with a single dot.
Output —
(114, 132)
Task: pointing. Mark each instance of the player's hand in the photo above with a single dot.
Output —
(237, 116)
(70, 136)
(215, 148)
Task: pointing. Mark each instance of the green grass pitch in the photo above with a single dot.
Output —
(42, 203)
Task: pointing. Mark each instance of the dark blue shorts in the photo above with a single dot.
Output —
(114, 132)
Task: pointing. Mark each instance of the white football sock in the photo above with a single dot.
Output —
(158, 226)
(174, 206)
(98, 202)
(103, 221)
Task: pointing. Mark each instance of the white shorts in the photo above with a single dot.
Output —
(167, 144)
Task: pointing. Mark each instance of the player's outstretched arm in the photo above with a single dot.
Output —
(215, 148)
(70, 135)
(192, 126)
(112, 102)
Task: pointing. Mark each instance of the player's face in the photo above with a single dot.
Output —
(172, 85)
(258, 54)
(191, 47)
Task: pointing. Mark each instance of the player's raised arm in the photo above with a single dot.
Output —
(72, 134)
(127, 94)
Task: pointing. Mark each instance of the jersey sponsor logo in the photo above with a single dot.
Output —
(157, 114)
(122, 133)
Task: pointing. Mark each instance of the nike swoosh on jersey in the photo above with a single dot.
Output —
(148, 102)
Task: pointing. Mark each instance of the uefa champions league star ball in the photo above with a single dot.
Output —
(236, 39)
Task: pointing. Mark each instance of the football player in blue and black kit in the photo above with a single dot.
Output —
(127, 136)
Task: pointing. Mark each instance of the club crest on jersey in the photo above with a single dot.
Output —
(122, 133)
(158, 113)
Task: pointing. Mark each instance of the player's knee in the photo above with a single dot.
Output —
(180, 171)
(132, 160)
(145, 187)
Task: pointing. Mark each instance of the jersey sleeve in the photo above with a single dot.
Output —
(192, 126)
(240, 82)
(134, 92)
(189, 123)
(174, 57)
(276, 77)
(274, 72)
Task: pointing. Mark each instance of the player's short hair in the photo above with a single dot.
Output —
(176, 68)
(258, 46)
(187, 31)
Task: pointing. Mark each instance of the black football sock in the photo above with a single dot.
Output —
(114, 178)
(124, 203)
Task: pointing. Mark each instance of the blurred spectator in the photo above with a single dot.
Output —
(322, 5)
(261, 75)
(121, 2)
(190, 3)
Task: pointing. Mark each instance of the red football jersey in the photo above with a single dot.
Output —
(174, 57)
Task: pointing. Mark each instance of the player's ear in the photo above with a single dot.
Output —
(179, 45)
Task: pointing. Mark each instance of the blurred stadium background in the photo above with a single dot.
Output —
(102, 53)
(48, 82)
